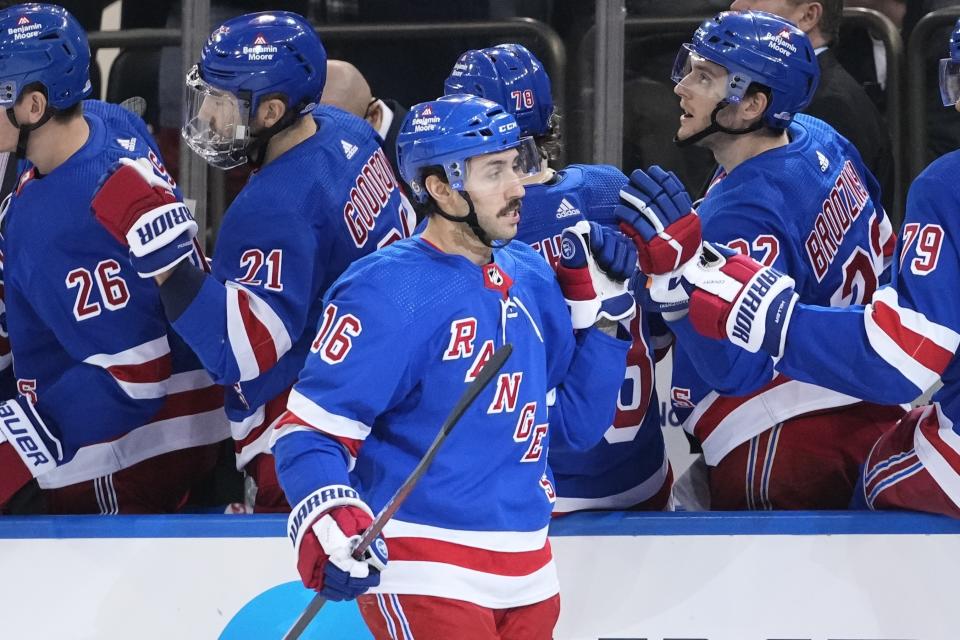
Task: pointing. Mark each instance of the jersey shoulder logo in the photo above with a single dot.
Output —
(566, 209)
(824, 163)
(349, 150)
(127, 143)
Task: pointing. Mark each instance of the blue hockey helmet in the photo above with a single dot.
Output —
(43, 44)
(447, 132)
(245, 60)
(511, 76)
(950, 70)
(756, 47)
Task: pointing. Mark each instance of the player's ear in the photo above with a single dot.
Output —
(438, 189)
(810, 17)
(270, 111)
(753, 105)
(34, 104)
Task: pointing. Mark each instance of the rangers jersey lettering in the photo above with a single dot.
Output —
(629, 466)
(289, 234)
(807, 209)
(475, 526)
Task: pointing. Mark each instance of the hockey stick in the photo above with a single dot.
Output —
(490, 369)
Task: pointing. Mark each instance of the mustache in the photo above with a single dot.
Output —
(513, 205)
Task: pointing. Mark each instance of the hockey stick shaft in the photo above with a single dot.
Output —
(487, 372)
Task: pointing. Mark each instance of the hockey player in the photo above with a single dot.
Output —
(115, 414)
(895, 348)
(403, 331)
(323, 195)
(794, 195)
(628, 469)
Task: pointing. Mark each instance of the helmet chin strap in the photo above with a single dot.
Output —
(714, 127)
(473, 222)
(24, 130)
(257, 149)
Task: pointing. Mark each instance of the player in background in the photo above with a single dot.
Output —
(403, 331)
(322, 196)
(794, 195)
(628, 469)
(114, 413)
(898, 346)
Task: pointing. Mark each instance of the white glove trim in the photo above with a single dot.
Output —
(17, 428)
(320, 501)
(585, 313)
(173, 219)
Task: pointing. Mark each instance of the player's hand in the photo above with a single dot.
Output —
(27, 448)
(595, 266)
(664, 294)
(326, 527)
(734, 297)
(657, 214)
(140, 210)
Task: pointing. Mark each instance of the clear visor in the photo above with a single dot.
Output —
(217, 123)
(497, 172)
(949, 81)
(707, 79)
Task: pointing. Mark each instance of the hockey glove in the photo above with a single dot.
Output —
(27, 448)
(325, 528)
(661, 294)
(734, 297)
(656, 213)
(595, 265)
(141, 211)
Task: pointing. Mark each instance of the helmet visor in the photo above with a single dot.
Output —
(707, 79)
(499, 171)
(949, 81)
(217, 123)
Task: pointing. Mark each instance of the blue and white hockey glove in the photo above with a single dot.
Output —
(325, 529)
(27, 448)
(661, 294)
(657, 214)
(734, 297)
(140, 210)
(595, 265)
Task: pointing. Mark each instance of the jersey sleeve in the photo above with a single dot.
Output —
(898, 345)
(359, 366)
(110, 324)
(585, 373)
(726, 368)
(247, 315)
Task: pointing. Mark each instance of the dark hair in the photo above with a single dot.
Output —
(830, 18)
(551, 143)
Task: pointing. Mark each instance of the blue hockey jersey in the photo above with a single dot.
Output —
(629, 466)
(905, 340)
(91, 346)
(808, 209)
(403, 332)
(289, 234)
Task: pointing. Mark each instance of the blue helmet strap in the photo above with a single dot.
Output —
(715, 127)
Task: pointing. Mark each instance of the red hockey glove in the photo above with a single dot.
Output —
(140, 210)
(325, 528)
(734, 297)
(656, 213)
